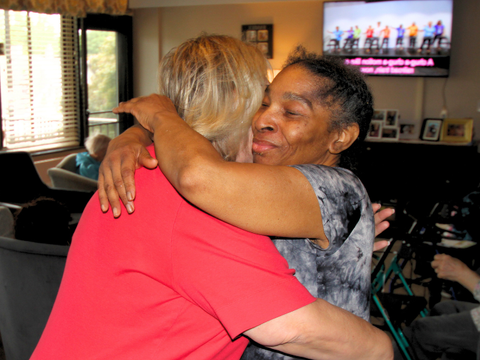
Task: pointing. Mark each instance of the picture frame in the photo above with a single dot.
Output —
(263, 47)
(375, 130)
(408, 132)
(379, 114)
(457, 130)
(261, 35)
(391, 118)
(431, 129)
(390, 133)
(251, 36)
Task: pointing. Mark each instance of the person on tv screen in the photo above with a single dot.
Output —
(439, 29)
(400, 34)
(429, 31)
(412, 34)
(338, 37)
(349, 39)
(376, 35)
(368, 40)
(356, 35)
(386, 36)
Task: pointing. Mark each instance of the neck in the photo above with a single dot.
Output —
(330, 159)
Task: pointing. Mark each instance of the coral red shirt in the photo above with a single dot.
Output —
(167, 282)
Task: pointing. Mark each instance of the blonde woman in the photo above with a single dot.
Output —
(170, 281)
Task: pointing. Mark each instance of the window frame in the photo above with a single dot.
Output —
(123, 26)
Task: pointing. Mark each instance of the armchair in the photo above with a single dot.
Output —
(64, 176)
(20, 183)
(30, 275)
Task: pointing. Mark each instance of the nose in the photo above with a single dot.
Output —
(265, 121)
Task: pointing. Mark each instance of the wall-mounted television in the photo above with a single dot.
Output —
(390, 38)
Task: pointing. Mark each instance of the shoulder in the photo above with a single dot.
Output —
(82, 157)
(331, 179)
(343, 201)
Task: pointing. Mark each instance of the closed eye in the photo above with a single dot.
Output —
(291, 113)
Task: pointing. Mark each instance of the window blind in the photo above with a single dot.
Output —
(39, 78)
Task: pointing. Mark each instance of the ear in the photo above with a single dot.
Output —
(344, 139)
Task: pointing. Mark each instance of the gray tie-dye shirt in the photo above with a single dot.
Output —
(339, 274)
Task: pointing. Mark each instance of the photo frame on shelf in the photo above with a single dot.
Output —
(391, 118)
(408, 132)
(379, 114)
(375, 130)
(457, 130)
(431, 129)
(390, 133)
(261, 35)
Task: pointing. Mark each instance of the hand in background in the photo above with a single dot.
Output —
(450, 268)
(381, 224)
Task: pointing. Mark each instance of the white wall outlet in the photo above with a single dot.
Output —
(444, 113)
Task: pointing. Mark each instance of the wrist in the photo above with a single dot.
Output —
(165, 119)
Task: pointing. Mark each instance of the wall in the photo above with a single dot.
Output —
(147, 44)
(301, 22)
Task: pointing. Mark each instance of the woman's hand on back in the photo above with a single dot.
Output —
(116, 181)
(127, 152)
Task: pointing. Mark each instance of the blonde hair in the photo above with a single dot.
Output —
(216, 84)
(96, 143)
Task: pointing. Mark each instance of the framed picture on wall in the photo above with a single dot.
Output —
(431, 129)
(375, 130)
(261, 35)
(457, 130)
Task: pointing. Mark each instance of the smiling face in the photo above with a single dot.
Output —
(292, 127)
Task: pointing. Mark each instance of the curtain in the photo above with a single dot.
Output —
(77, 8)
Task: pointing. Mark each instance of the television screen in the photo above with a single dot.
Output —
(390, 38)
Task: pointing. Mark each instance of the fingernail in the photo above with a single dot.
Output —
(130, 208)
(104, 207)
(129, 196)
(116, 212)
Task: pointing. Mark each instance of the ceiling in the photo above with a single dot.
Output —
(136, 4)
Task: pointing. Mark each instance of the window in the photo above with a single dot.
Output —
(102, 82)
(107, 43)
(39, 81)
(52, 96)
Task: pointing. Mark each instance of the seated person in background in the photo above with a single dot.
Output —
(452, 329)
(44, 220)
(172, 282)
(88, 162)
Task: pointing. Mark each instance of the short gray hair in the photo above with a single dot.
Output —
(96, 143)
